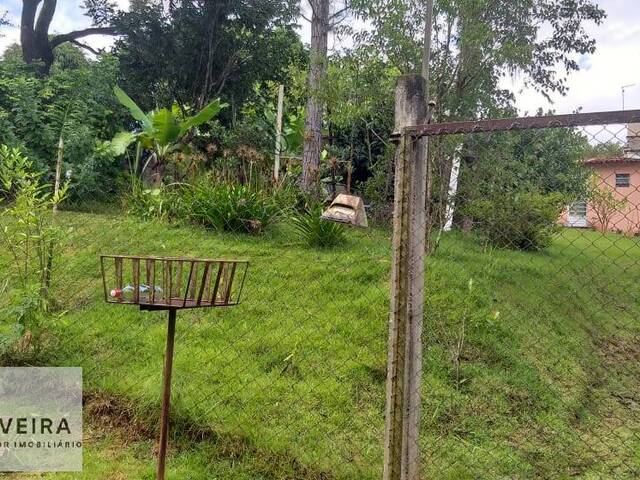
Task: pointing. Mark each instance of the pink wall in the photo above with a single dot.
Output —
(626, 220)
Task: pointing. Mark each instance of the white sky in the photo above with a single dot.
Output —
(596, 87)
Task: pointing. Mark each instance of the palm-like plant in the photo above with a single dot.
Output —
(316, 232)
(163, 130)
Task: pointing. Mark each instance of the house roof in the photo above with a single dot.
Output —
(610, 160)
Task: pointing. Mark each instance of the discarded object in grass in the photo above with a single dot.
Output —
(347, 209)
(177, 283)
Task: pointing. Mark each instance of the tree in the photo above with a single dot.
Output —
(321, 23)
(163, 130)
(604, 202)
(196, 50)
(76, 101)
(3, 20)
(476, 43)
(38, 45)
(317, 73)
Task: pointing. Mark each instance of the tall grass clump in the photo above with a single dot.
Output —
(315, 232)
(229, 207)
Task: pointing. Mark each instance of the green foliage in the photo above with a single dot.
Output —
(76, 101)
(522, 220)
(163, 127)
(229, 207)
(605, 149)
(22, 327)
(27, 229)
(196, 51)
(262, 111)
(378, 189)
(526, 176)
(32, 239)
(316, 232)
(475, 43)
(148, 203)
(163, 130)
(211, 204)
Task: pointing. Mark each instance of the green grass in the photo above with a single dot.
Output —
(290, 384)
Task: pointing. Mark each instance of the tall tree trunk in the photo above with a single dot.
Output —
(35, 41)
(426, 75)
(317, 73)
(35, 45)
(426, 48)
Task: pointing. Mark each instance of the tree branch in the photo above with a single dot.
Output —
(313, 6)
(29, 8)
(85, 46)
(45, 16)
(338, 13)
(68, 37)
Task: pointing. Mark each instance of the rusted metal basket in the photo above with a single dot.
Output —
(172, 282)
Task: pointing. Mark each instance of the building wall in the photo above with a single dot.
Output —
(627, 219)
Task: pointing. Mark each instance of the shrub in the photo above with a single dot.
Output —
(149, 203)
(29, 233)
(316, 232)
(228, 207)
(27, 227)
(524, 220)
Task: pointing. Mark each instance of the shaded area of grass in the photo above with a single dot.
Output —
(290, 384)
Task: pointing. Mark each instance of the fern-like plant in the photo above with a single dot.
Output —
(316, 232)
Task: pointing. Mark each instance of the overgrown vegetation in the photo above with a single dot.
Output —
(521, 220)
(32, 240)
(291, 383)
(316, 232)
(307, 350)
(229, 207)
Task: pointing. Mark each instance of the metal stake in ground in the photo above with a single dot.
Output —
(171, 283)
(166, 393)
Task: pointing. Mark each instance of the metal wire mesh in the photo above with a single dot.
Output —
(530, 338)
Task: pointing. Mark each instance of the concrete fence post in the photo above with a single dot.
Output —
(401, 458)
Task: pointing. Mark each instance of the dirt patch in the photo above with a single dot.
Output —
(113, 414)
(116, 414)
(615, 351)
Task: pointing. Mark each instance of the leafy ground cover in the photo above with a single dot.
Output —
(530, 360)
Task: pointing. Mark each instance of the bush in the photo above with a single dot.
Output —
(228, 207)
(316, 232)
(27, 228)
(524, 220)
(29, 233)
(149, 203)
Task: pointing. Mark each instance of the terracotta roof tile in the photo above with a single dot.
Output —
(604, 160)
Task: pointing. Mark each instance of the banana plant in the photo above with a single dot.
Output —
(162, 130)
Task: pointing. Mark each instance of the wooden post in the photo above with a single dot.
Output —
(56, 185)
(401, 457)
(166, 394)
(276, 165)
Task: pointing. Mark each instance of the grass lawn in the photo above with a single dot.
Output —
(290, 384)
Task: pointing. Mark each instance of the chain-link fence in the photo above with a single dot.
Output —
(530, 334)
(531, 308)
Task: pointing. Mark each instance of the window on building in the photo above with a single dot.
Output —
(623, 180)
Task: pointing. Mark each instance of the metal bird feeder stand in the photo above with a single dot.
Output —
(171, 284)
